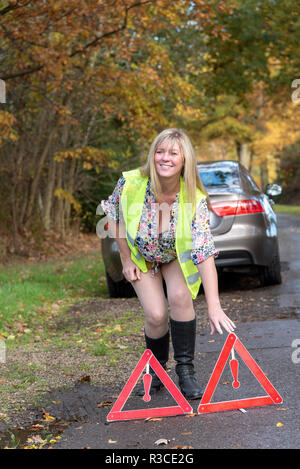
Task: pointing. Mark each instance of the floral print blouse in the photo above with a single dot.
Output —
(157, 247)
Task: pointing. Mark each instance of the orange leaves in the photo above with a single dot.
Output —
(90, 158)
(47, 417)
(7, 122)
(85, 154)
(63, 194)
(78, 27)
(105, 404)
(93, 81)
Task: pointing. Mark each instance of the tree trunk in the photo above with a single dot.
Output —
(53, 122)
(36, 179)
(18, 195)
(70, 188)
(49, 194)
(14, 218)
(59, 212)
(251, 158)
(243, 154)
(64, 205)
(263, 176)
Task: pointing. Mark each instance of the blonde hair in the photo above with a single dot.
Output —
(189, 171)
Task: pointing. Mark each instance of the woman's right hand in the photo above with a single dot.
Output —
(131, 271)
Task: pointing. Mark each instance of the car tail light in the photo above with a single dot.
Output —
(249, 206)
(236, 207)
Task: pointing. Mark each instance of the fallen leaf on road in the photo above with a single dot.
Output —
(162, 441)
(153, 419)
(36, 439)
(48, 417)
(279, 424)
(36, 426)
(85, 378)
(104, 404)
(191, 415)
(112, 441)
(182, 447)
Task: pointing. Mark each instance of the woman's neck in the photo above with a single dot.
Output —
(169, 187)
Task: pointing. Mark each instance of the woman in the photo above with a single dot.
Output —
(159, 217)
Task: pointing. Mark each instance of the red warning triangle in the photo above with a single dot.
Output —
(117, 413)
(233, 343)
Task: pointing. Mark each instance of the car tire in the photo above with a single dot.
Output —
(120, 289)
(271, 275)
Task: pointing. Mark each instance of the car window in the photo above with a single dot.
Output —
(219, 177)
(251, 182)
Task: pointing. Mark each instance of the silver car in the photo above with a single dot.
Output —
(242, 221)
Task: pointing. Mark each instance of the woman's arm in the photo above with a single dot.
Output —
(216, 315)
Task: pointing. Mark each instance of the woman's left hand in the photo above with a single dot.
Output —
(218, 319)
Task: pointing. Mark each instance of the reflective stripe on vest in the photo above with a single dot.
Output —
(185, 256)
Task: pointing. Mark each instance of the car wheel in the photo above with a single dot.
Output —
(271, 275)
(120, 289)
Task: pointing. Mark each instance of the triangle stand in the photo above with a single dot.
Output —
(148, 358)
(233, 343)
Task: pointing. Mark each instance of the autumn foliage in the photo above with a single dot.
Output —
(90, 82)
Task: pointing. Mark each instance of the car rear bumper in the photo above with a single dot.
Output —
(247, 250)
(233, 258)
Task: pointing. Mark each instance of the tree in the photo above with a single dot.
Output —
(91, 82)
(80, 73)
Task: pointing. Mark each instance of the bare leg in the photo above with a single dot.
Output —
(179, 296)
(152, 298)
(151, 295)
(183, 328)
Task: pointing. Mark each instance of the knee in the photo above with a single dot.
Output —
(180, 298)
(157, 317)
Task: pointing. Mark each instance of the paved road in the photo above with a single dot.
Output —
(271, 345)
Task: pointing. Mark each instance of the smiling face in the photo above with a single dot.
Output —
(168, 159)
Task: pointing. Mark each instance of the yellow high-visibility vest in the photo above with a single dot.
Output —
(132, 201)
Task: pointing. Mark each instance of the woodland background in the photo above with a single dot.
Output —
(89, 83)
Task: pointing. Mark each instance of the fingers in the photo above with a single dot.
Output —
(218, 327)
(228, 325)
(138, 273)
(216, 324)
(132, 274)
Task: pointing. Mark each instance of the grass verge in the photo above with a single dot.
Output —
(59, 326)
(290, 209)
(29, 292)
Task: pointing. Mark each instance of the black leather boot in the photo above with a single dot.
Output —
(160, 349)
(183, 339)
